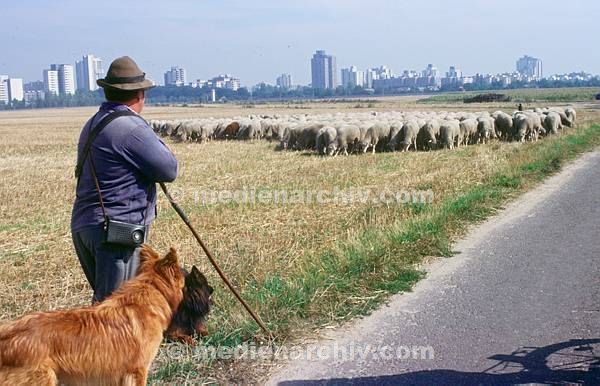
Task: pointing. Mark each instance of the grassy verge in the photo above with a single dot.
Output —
(550, 95)
(360, 273)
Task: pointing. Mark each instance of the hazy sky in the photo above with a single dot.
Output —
(257, 40)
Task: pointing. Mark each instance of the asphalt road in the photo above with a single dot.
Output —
(519, 304)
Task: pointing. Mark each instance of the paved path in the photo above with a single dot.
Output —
(519, 304)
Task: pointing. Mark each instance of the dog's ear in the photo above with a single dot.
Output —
(197, 278)
(169, 262)
(148, 254)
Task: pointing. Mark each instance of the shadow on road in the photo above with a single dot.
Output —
(573, 362)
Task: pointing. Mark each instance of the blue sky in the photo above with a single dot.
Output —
(258, 40)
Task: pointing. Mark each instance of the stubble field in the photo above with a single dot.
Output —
(303, 266)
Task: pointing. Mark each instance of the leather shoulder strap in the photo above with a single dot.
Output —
(94, 133)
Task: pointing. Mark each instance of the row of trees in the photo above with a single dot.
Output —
(80, 98)
(157, 95)
(187, 94)
(181, 95)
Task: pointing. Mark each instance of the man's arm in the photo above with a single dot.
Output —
(149, 154)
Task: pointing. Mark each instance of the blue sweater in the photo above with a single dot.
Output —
(129, 159)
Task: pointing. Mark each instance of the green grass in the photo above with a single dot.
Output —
(171, 370)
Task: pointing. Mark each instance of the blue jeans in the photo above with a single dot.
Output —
(106, 266)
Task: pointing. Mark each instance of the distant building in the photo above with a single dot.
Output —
(66, 78)
(352, 77)
(383, 72)
(175, 76)
(574, 76)
(454, 72)
(430, 71)
(399, 83)
(51, 82)
(88, 71)
(15, 89)
(323, 70)
(370, 76)
(428, 79)
(284, 81)
(505, 79)
(530, 67)
(37, 85)
(11, 89)
(453, 78)
(4, 89)
(34, 95)
(483, 79)
(467, 80)
(34, 91)
(224, 81)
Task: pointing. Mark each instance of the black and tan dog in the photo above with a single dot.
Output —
(191, 314)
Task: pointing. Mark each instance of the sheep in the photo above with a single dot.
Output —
(275, 131)
(348, 137)
(381, 132)
(468, 130)
(395, 135)
(325, 138)
(249, 129)
(289, 137)
(307, 137)
(552, 123)
(571, 115)
(485, 129)
(504, 125)
(169, 128)
(231, 130)
(563, 117)
(410, 129)
(449, 133)
(195, 131)
(376, 137)
(526, 126)
(428, 134)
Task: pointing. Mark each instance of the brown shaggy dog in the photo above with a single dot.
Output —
(110, 343)
(192, 311)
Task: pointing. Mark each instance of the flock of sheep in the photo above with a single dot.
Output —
(344, 133)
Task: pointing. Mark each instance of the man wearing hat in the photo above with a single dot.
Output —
(117, 169)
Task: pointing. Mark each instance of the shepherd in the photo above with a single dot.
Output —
(120, 159)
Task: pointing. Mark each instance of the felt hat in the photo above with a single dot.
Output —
(124, 74)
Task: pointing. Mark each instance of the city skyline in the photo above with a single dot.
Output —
(64, 79)
(178, 75)
(527, 65)
(255, 44)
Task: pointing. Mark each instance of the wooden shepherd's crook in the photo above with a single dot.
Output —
(187, 222)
